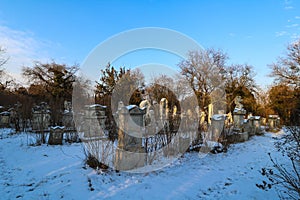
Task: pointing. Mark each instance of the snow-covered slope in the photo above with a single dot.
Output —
(58, 172)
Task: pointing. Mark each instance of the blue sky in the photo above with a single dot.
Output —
(255, 32)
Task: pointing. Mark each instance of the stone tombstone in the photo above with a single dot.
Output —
(238, 114)
(4, 119)
(217, 126)
(94, 121)
(130, 154)
(131, 124)
(56, 135)
(164, 109)
(273, 122)
(145, 104)
(183, 123)
(41, 116)
(68, 121)
(164, 114)
(257, 124)
(248, 126)
(151, 127)
(136, 124)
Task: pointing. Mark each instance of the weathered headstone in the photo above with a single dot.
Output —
(238, 114)
(68, 121)
(56, 135)
(273, 122)
(94, 121)
(4, 119)
(41, 117)
(130, 154)
(217, 125)
(255, 124)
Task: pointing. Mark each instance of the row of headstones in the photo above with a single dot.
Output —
(246, 127)
(41, 116)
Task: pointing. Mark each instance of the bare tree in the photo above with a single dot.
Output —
(204, 70)
(287, 72)
(287, 69)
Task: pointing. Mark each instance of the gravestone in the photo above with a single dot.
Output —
(238, 114)
(68, 121)
(257, 125)
(4, 119)
(67, 118)
(130, 154)
(273, 122)
(94, 121)
(56, 135)
(41, 116)
(164, 114)
(217, 126)
(151, 126)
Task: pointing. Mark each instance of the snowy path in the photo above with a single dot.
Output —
(57, 172)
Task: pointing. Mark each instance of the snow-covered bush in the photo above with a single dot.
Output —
(285, 177)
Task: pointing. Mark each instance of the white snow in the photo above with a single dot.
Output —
(58, 172)
(218, 117)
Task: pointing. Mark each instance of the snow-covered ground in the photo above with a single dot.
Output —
(58, 172)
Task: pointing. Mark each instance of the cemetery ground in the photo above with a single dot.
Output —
(59, 172)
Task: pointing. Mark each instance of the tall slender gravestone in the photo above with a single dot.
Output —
(164, 113)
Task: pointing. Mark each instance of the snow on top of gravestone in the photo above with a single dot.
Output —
(218, 117)
(57, 127)
(5, 113)
(130, 107)
(96, 105)
(273, 116)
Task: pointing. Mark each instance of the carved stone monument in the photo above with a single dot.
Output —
(238, 114)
